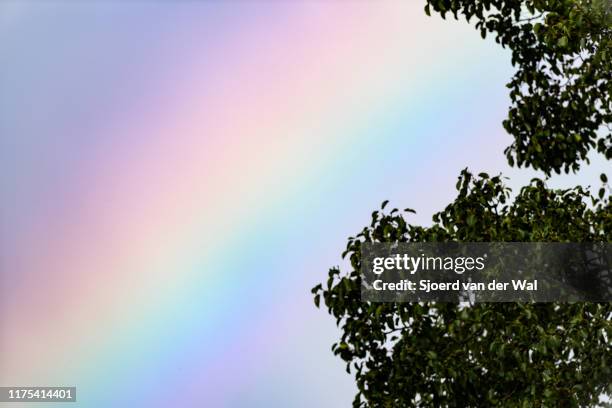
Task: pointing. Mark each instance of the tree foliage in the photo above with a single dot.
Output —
(488, 354)
(561, 90)
(501, 354)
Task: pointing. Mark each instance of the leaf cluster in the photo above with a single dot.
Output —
(561, 104)
(490, 354)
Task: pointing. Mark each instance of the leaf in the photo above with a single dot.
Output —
(537, 27)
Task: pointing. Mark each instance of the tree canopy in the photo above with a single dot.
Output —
(561, 90)
(500, 354)
(489, 354)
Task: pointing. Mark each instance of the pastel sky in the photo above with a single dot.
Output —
(175, 177)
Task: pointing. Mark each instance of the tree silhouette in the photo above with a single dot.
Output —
(500, 354)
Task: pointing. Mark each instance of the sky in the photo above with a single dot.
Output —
(175, 177)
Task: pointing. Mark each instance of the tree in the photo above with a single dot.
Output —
(561, 89)
(488, 354)
(500, 354)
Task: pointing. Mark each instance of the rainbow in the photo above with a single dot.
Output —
(175, 177)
